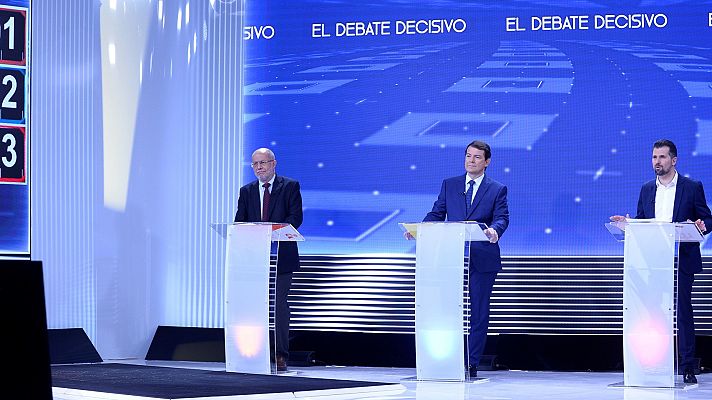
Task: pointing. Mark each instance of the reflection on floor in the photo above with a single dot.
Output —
(499, 385)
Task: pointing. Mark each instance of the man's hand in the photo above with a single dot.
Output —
(701, 225)
(408, 236)
(492, 235)
(619, 218)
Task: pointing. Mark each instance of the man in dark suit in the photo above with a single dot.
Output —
(476, 197)
(273, 198)
(674, 198)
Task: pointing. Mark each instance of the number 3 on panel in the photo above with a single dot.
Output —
(12, 154)
(10, 141)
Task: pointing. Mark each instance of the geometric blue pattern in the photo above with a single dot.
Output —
(513, 85)
(294, 87)
(508, 131)
(698, 89)
(668, 56)
(685, 67)
(704, 137)
(348, 68)
(526, 64)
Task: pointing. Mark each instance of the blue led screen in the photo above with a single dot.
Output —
(370, 106)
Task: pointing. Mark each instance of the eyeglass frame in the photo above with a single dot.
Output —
(262, 163)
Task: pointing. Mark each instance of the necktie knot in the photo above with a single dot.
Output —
(266, 185)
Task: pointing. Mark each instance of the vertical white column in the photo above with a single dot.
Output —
(439, 346)
(247, 299)
(648, 305)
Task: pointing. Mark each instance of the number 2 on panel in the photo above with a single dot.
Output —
(6, 102)
(8, 138)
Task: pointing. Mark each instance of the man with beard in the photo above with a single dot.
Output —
(674, 198)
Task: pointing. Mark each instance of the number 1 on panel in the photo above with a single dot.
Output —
(10, 26)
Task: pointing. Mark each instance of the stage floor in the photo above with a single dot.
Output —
(525, 385)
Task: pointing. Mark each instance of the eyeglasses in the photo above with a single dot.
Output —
(262, 163)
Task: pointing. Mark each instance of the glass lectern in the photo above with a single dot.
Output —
(441, 273)
(250, 273)
(649, 298)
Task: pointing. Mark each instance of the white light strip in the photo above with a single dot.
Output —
(531, 295)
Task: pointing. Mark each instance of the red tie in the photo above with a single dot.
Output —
(265, 203)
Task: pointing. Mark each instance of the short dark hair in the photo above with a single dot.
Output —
(666, 143)
(480, 145)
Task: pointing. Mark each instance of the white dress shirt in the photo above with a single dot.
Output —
(478, 182)
(665, 199)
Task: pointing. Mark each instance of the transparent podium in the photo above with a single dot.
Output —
(441, 276)
(250, 273)
(649, 298)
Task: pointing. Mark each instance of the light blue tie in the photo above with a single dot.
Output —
(468, 197)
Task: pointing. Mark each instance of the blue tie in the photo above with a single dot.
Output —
(468, 197)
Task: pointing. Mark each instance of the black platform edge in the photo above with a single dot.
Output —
(24, 331)
(504, 351)
(71, 346)
(178, 343)
(182, 383)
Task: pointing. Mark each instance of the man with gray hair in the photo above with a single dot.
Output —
(273, 198)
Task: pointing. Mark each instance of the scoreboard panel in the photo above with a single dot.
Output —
(14, 128)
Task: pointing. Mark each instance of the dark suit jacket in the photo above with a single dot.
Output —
(285, 206)
(689, 204)
(489, 206)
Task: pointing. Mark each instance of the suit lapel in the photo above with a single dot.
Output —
(459, 194)
(678, 198)
(276, 188)
(256, 204)
(649, 202)
(484, 186)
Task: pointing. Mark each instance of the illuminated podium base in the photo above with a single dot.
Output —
(440, 277)
(649, 301)
(249, 286)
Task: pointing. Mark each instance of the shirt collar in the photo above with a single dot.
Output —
(672, 183)
(477, 180)
(271, 182)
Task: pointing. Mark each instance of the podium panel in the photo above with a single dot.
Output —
(439, 275)
(250, 283)
(650, 297)
(247, 344)
(440, 272)
(649, 305)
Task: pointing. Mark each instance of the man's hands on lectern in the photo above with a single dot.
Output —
(489, 232)
(492, 235)
(619, 221)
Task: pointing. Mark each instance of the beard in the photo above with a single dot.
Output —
(662, 171)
